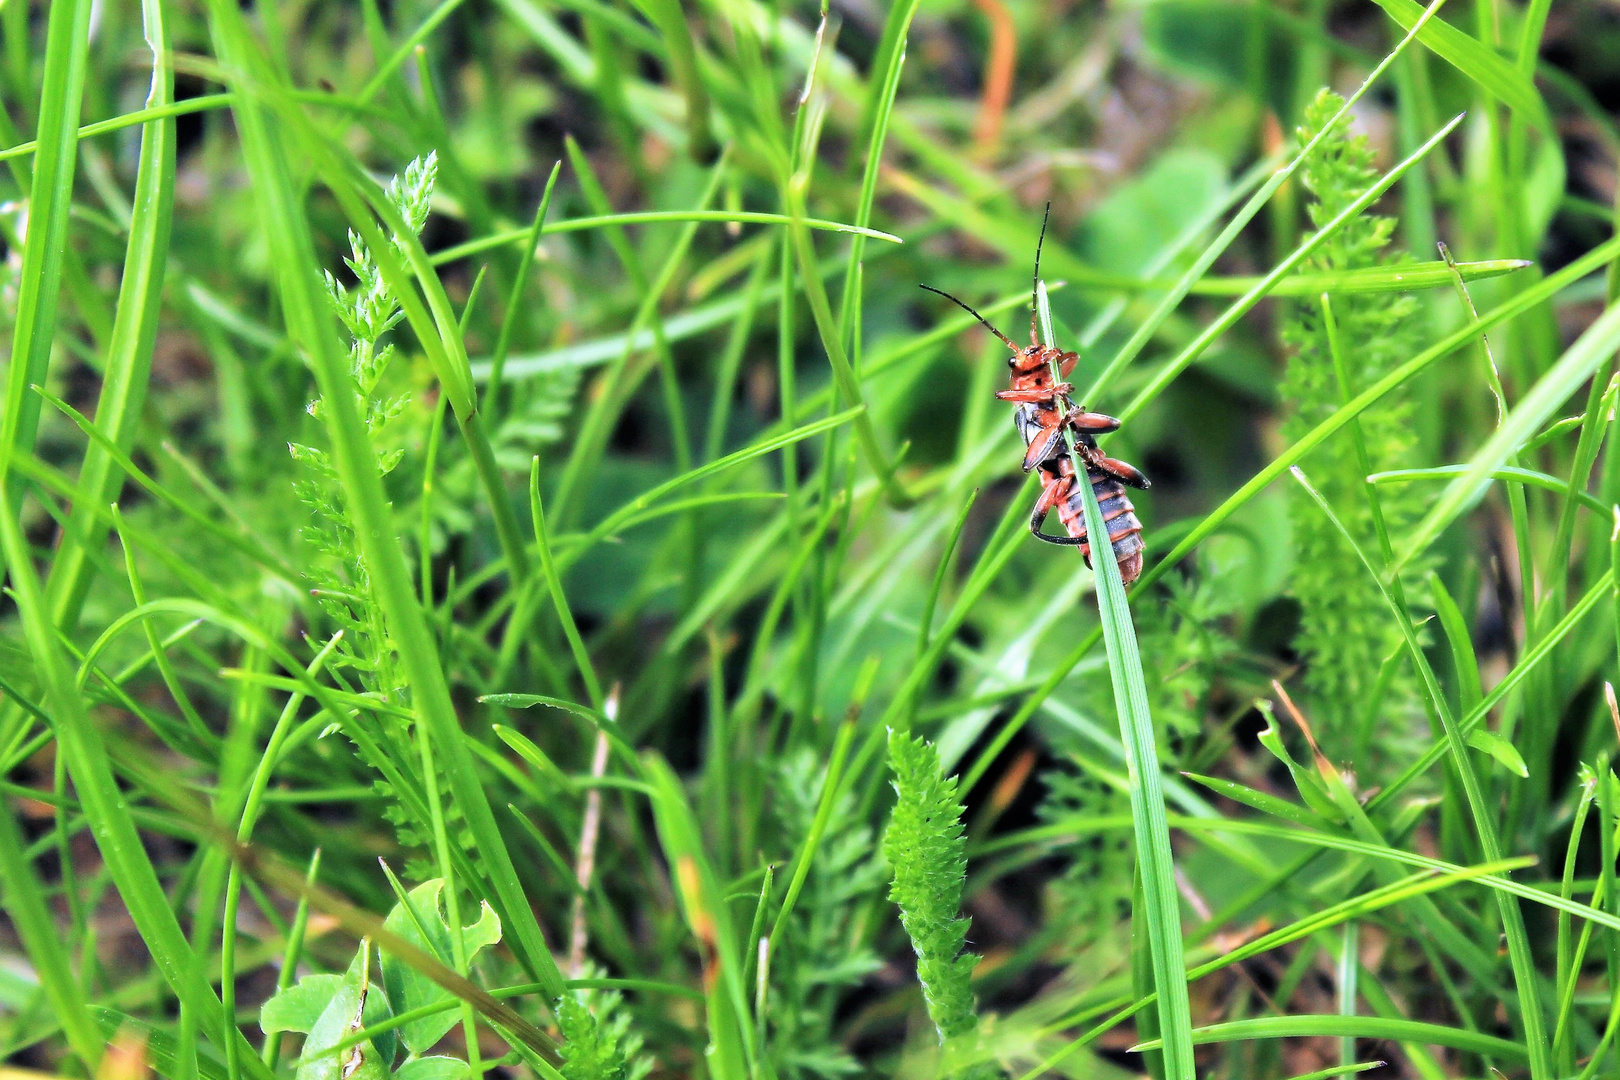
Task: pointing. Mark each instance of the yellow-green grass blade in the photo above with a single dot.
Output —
(654, 217)
(731, 1051)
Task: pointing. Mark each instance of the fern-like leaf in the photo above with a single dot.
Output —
(926, 846)
(1345, 631)
(598, 1042)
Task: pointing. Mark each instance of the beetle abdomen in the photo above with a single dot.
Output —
(1118, 514)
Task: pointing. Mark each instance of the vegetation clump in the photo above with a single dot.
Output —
(1339, 346)
(507, 443)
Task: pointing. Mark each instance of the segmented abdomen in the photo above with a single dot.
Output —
(1124, 530)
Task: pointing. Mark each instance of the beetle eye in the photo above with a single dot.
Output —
(1012, 361)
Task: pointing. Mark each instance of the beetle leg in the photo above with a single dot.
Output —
(1128, 474)
(1042, 445)
(1092, 423)
(1034, 396)
(1055, 492)
(1066, 363)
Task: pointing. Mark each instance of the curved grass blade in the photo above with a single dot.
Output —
(131, 119)
(129, 352)
(1162, 311)
(1194, 349)
(104, 804)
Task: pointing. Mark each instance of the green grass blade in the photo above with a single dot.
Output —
(878, 108)
(1528, 477)
(104, 804)
(708, 915)
(1579, 362)
(202, 103)
(830, 785)
(1155, 861)
(67, 44)
(641, 504)
(1479, 63)
(129, 353)
(1459, 338)
(832, 342)
(670, 19)
(1537, 1047)
(497, 361)
(1352, 1027)
(548, 566)
(1194, 349)
(1150, 326)
(30, 915)
(747, 217)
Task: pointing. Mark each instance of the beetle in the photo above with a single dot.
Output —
(1044, 412)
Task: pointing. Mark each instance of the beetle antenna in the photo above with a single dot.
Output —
(976, 315)
(1035, 285)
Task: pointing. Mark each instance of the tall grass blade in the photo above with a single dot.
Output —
(67, 44)
(134, 332)
(1161, 905)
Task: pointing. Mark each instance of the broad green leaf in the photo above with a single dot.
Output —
(434, 1067)
(300, 1006)
(356, 1002)
(425, 927)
